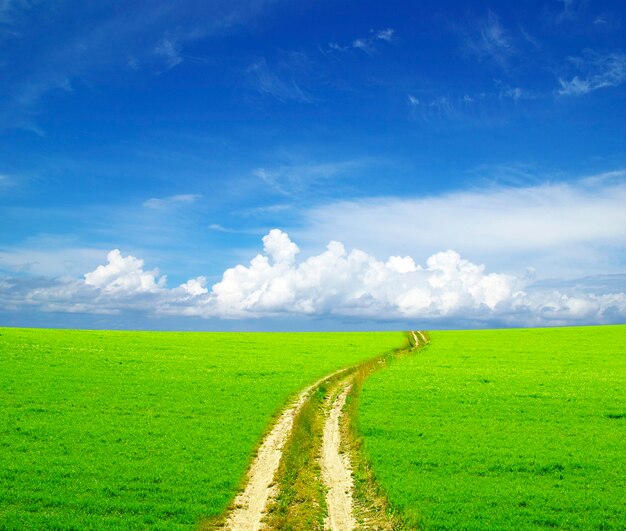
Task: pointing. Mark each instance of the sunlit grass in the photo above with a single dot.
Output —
(138, 429)
(509, 429)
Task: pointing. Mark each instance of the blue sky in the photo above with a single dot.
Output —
(482, 143)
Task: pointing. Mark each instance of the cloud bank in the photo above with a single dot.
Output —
(560, 229)
(334, 283)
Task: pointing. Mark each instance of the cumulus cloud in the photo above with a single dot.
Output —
(195, 286)
(125, 275)
(334, 283)
(338, 282)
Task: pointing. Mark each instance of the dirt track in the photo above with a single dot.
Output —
(336, 469)
(250, 506)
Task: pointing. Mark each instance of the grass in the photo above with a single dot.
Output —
(371, 507)
(120, 430)
(508, 429)
(300, 503)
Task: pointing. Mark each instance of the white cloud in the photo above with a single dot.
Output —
(401, 264)
(385, 34)
(337, 47)
(281, 87)
(515, 93)
(573, 229)
(49, 259)
(163, 202)
(279, 247)
(602, 179)
(294, 179)
(95, 51)
(195, 286)
(219, 228)
(442, 106)
(354, 283)
(124, 275)
(368, 44)
(572, 10)
(489, 40)
(362, 44)
(336, 282)
(169, 50)
(596, 72)
(272, 179)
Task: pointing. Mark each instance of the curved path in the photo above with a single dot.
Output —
(336, 469)
(250, 506)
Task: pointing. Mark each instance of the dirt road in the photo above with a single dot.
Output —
(336, 469)
(251, 505)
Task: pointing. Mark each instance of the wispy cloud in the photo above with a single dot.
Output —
(605, 178)
(169, 50)
(608, 21)
(442, 106)
(294, 179)
(172, 200)
(385, 34)
(368, 44)
(46, 261)
(283, 88)
(518, 93)
(597, 71)
(6, 181)
(413, 100)
(515, 93)
(560, 228)
(489, 40)
(142, 37)
(571, 10)
(216, 227)
(414, 103)
(272, 179)
(365, 44)
(11, 12)
(337, 47)
(264, 210)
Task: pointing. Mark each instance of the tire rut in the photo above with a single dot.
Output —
(250, 506)
(336, 468)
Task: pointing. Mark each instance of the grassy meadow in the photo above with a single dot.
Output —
(503, 429)
(115, 430)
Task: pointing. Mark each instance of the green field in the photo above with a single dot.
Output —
(508, 429)
(142, 429)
